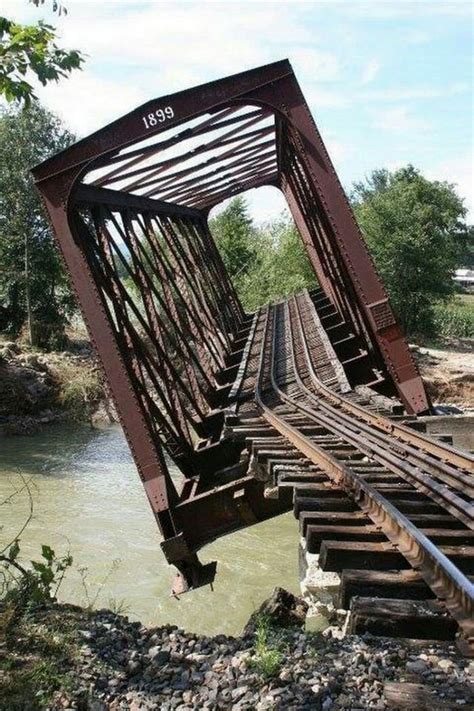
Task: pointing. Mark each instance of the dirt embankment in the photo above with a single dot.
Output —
(38, 388)
(448, 372)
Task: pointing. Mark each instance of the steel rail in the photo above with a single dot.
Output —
(381, 451)
(444, 578)
(461, 480)
(443, 451)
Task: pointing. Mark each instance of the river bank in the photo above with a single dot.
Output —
(66, 657)
(41, 388)
(447, 368)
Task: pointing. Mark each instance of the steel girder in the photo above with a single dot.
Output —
(129, 207)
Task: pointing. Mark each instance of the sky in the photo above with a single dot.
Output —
(388, 83)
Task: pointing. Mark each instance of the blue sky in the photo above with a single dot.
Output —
(388, 82)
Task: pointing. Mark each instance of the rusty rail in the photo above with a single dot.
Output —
(444, 578)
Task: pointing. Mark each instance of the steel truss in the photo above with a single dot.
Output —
(129, 206)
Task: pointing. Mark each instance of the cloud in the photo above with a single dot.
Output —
(417, 37)
(338, 151)
(139, 51)
(399, 120)
(370, 71)
(458, 171)
(315, 65)
(415, 93)
(390, 10)
(86, 102)
(319, 97)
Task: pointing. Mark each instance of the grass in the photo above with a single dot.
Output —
(81, 387)
(456, 318)
(466, 299)
(268, 656)
(35, 663)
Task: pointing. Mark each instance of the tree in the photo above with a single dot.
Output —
(416, 233)
(265, 263)
(235, 237)
(30, 51)
(280, 266)
(34, 291)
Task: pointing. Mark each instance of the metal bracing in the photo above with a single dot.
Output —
(129, 206)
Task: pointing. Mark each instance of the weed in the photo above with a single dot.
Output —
(81, 388)
(268, 655)
(119, 607)
(21, 588)
(32, 686)
(90, 596)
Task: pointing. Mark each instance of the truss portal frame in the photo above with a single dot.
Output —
(129, 206)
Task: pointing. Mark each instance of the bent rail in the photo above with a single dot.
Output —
(444, 578)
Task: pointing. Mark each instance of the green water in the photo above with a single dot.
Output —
(88, 498)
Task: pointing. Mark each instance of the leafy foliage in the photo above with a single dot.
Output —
(265, 263)
(30, 51)
(56, 6)
(235, 237)
(280, 266)
(33, 286)
(39, 584)
(416, 232)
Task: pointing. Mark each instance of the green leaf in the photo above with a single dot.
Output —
(47, 553)
(14, 551)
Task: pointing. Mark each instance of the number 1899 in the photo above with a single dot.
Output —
(158, 116)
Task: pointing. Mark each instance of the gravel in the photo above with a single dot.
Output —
(123, 665)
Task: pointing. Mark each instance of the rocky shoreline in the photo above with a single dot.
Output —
(102, 661)
(39, 389)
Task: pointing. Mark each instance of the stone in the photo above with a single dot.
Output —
(283, 610)
(285, 675)
(158, 656)
(316, 623)
(237, 693)
(97, 705)
(445, 664)
(416, 667)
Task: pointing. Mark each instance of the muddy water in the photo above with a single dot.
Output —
(88, 498)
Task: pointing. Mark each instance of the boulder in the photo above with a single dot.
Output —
(282, 609)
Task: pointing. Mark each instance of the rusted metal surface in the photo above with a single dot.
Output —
(129, 206)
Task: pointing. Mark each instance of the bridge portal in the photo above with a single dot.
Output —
(129, 207)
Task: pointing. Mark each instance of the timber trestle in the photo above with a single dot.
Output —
(305, 404)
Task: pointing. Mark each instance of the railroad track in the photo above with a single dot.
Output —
(385, 506)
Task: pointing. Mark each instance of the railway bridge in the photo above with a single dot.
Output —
(309, 404)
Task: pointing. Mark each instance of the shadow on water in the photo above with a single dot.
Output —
(88, 497)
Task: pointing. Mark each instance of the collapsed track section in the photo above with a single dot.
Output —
(414, 495)
(129, 206)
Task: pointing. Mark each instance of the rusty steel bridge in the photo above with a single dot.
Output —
(309, 404)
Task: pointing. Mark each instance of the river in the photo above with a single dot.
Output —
(88, 498)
